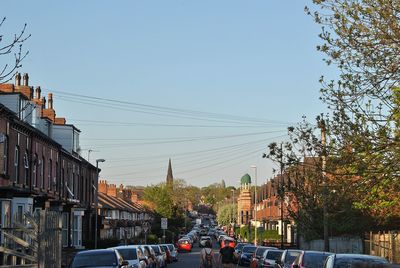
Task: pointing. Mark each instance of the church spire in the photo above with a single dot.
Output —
(170, 177)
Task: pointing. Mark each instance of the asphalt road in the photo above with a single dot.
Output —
(191, 259)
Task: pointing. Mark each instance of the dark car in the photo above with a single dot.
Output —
(104, 258)
(258, 255)
(311, 259)
(353, 260)
(239, 247)
(247, 255)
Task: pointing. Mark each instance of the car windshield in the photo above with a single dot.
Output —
(239, 246)
(128, 253)
(249, 249)
(90, 260)
(273, 255)
(260, 251)
(357, 262)
(171, 247)
(291, 256)
(314, 260)
(156, 249)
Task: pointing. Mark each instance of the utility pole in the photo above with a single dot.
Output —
(255, 205)
(97, 201)
(281, 194)
(324, 189)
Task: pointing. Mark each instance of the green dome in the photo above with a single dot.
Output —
(246, 179)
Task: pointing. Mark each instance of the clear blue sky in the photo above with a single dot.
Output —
(253, 59)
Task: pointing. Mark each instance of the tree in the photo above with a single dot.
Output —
(302, 186)
(227, 214)
(12, 47)
(160, 197)
(361, 37)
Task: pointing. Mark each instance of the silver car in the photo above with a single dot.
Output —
(104, 258)
(173, 251)
(269, 258)
(132, 254)
(160, 255)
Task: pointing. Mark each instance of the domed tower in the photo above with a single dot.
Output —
(244, 201)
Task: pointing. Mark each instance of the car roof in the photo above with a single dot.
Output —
(317, 252)
(97, 251)
(359, 256)
(250, 246)
(294, 250)
(127, 247)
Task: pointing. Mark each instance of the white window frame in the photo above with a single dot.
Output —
(76, 230)
(65, 227)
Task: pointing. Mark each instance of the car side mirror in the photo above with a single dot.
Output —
(124, 263)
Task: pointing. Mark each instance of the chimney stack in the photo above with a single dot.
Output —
(26, 79)
(38, 92)
(50, 100)
(17, 79)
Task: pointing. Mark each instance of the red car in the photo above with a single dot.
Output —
(227, 241)
(184, 245)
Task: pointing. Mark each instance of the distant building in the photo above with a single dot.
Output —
(244, 201)
(170, 177)
(122, 217)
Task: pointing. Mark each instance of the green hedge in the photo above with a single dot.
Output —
(262, 235)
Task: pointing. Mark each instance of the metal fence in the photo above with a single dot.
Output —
(32, 241)
(383, 244)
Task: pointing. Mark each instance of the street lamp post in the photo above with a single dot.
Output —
(97, 201)
(233, 207)
(255, 204)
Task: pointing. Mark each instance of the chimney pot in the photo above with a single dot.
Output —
(17, 79)
(26, 79)
(38, 92)
(50, 100)
(43, 102)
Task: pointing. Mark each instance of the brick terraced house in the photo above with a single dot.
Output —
(41, 167)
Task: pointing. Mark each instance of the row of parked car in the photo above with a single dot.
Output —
(271, 257)
(200, 234)
(131, 256)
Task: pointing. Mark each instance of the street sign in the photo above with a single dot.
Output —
(146, 226)
(164, 223)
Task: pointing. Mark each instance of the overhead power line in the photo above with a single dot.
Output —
(114, 145)
(163, 111)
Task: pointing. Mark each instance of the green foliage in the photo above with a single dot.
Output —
(360, 38)
(216, 193)
(152, 239)
(227, 214)
(248, 234)
(161, 197)
(269, 235)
